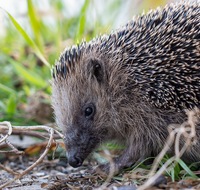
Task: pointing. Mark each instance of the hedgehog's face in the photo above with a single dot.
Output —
(80, 107)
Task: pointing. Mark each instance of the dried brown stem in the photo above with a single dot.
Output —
(9, 127)
(112, 169)
(30, 133)
(22, 128)
(187, 129)
(29, 128)
(8, 170)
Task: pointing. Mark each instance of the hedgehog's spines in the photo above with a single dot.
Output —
(88, 48)
(62, 59)
(66, 56)
(160, 49)
(57, 70)
(109, 37)
(75, 54)
(62, 65)
(53, 73)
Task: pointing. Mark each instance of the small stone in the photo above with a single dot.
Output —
(160, 180)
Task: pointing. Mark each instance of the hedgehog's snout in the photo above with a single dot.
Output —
(75, 161)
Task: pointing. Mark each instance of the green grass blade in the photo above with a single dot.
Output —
(58, 39)
(28, 39)
(139, 164)
(184, 166)
(26, 74)
(58, 5)
(11, 106)
(35, 25)
(3, 106)
(193, 164)
(172, 174)
(119, 178)
(82, 20)
(7, 89)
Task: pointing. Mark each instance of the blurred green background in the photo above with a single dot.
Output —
(52, 25)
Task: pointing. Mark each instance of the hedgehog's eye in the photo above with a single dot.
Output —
(88, 112)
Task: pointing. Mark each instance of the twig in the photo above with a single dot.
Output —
(9, 130)
(182, 130)
(14, 150)
(29, 128)
(30, 133)
(8, 170)
(112, 169)
(22, 128)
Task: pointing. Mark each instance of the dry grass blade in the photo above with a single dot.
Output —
(111, 172)
(187, 130)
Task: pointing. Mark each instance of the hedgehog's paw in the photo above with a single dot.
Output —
(102, 169)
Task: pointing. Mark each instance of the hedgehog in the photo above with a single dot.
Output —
(128, 86)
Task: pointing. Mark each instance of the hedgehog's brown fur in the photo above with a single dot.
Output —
(139, 79)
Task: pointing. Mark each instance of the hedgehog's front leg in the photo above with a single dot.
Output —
(131, 155)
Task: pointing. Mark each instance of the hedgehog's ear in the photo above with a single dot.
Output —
(98, 70)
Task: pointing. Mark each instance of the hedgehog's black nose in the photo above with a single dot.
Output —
(75, 161)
